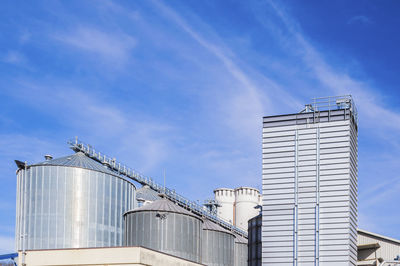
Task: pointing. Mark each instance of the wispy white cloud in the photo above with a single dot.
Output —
(338, 82)
(113, 46)
(359, 19)
(7, 244)
(247, 105)
(142, 139)
(15, 58)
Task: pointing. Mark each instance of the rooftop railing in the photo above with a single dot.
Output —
(121, 169)
(331, 103)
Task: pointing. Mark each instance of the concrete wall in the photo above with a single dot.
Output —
(101, 256)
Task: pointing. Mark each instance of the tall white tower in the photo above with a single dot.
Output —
(246, 199)
(310, 185)
(226, 199)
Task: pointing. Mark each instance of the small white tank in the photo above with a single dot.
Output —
(246, 199)
(226, 198)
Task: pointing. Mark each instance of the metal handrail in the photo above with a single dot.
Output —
(330, 103)
(121, 169)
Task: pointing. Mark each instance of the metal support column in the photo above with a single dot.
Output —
(317, 200)
(296, 200)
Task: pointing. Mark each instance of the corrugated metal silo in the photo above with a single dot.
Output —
(164, 226)
(254, 241)
(218, 245)
(70, 202)
(241, 251)
(145, 195)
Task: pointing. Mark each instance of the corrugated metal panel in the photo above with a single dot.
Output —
(165, 205)
(388, 249)
(241, 251)
(174, 233)
(218, 248)
(309, 191)
(145, 193)
(69, 207)
(254, 241)
(240, 254)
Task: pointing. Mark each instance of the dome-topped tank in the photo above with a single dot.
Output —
(70, 202)
(218, 245)
(165, 226)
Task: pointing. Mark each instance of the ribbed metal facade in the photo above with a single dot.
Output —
(240, 251)
(218, 245)
(254, 241)
(70, 207)
(166, 228)
(388, 249)
(310, 189)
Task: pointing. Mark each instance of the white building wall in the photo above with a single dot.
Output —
(309, 192)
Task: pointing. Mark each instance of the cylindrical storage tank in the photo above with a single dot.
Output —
(254, 241)
(246, 199)
(218, 245)
(241, 250)
(166, 227)
(70, 202)
(226, 199)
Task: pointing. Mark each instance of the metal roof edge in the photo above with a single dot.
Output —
(378, 235)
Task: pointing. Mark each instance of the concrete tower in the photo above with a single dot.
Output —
(246, 199)
(310, 185)
(226, 199)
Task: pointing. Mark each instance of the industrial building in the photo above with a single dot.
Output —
(129, 256)
(309, 209)
(372, 249)
(375, 249)
(85, 208)
(237, 206)
(86, 204)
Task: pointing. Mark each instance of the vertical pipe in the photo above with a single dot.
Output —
(317, 201)
(296, 190)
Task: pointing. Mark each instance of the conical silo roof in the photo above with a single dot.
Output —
(79, 160)
(209, 225)
(147, 194)
(240, 239)
(163, 205)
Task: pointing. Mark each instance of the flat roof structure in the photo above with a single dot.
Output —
(101, 256)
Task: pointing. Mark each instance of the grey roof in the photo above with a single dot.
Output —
(209, 225)
(80, 160)
(240, 239)
(163, 205)
(377, 235)
(146, 193)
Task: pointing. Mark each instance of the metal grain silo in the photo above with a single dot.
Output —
(70, 202)
(165, 226)
(218, 245)
(241, 250)
(254, 241)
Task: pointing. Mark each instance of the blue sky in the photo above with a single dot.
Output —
(183, 86)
